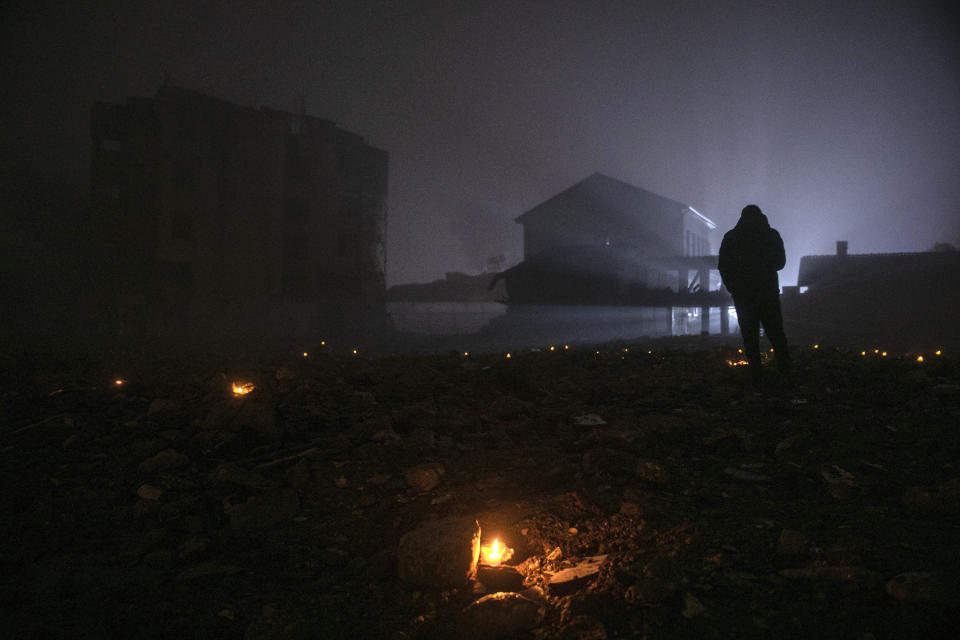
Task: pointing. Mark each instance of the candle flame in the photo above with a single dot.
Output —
(242, 388)
(119, 382)
(495, 552)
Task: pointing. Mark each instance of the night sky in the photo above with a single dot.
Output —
(840, 119)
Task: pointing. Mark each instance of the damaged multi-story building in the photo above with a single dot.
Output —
(214, 219)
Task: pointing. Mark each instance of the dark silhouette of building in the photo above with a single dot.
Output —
(606, 242)
(908, 300)
(210, 218)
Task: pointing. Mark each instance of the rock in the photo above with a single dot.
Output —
(619, 465)
(792, 542)
(508, 407)
(746, 476)
(692, 606)
(149, 492)
(945, 499)
(208, 572)
(229, 475)
(923, 587)
(500, 615)
(442, 553)
(502, 578)
(856, 576)
(259, 420)
(786, 447)
(264, 510)
(160, 559)
(161, 405)
(571, 578)
(661, 578)
(424, 477)
(589, 420)
(163, 461)
(583, 628)
(651, 472)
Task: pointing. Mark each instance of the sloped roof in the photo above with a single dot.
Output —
(618, 203)
(831, 270)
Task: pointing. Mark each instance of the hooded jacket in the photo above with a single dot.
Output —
(750, 256)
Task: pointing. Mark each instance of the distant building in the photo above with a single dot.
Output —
(601, 237)
(602, 211)
(604, 242)
(908, 300)
(209, 217)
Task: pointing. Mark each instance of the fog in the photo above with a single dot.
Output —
(841, 120)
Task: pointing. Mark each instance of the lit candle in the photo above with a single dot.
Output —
(242, 388)
(495, 553)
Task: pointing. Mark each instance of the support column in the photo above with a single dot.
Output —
(724, 320)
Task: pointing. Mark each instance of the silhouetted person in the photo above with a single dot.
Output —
(750, 256)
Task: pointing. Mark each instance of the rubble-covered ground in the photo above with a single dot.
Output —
(167, 507)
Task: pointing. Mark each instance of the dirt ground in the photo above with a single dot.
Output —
(168, 507)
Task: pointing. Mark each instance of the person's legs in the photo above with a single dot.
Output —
(749, 321)
(772, 319)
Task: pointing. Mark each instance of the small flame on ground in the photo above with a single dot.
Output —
(306, 355)
(919, 358)
(937, 352)
(737, 363)
(119, 382)
(242, 388)
(508, 355)
(496, 553)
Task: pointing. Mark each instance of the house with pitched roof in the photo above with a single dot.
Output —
(606, 242)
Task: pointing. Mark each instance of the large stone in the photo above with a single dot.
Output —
(440, 554)
(661, 578)
(263, 510)
(163, 461)
(424, 477)
(612, 463)
(923, 587)
(501, 615)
